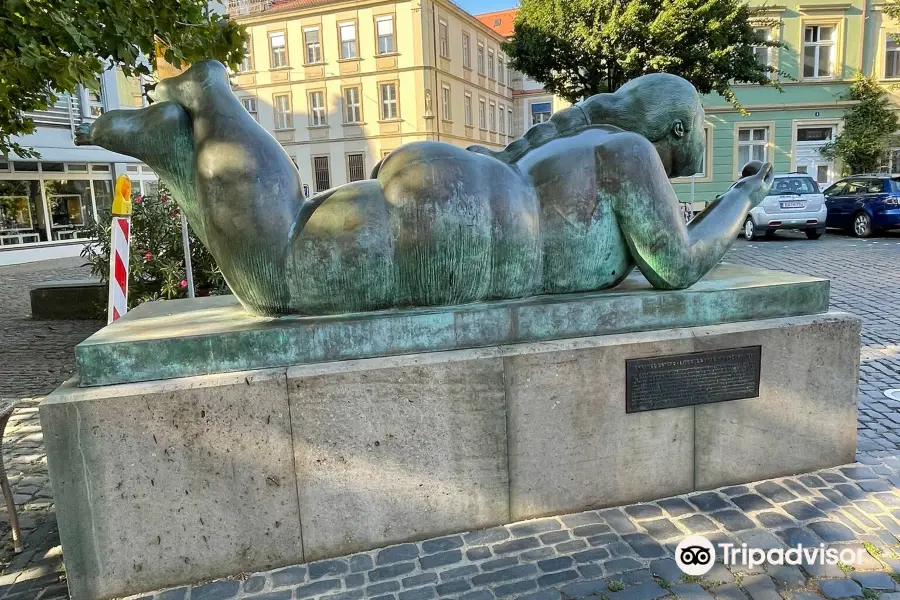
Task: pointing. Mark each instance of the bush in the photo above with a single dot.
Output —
(156, 261)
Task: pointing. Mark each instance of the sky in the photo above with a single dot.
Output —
(476, 7)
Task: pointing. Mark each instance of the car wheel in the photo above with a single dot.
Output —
(812, 234)
(862, 225)
(750, 232)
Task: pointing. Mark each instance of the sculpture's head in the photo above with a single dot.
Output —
(190, 87)
(663, 108)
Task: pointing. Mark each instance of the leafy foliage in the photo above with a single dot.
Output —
(47, 47)
(156, 259)
(868, 126)
(578, 48)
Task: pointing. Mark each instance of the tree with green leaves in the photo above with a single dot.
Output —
(578, 48)
(868, 127)
(48, 47)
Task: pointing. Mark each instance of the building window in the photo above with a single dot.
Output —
(356, 167)
(246, 62)
(322, 173)
(348, 39)
(490, 64)
(752, 144)
(284, 119)
(317, 113)
(493, 116)
(445, 102)
(509, 123)
(502, 121)
(444, 34)
(892, 59)
(389, 101)
(385, 29)
(250, 106)
(467, 55)
(479, 57)
(467, 109)
(278, 50)
(482, 114)
(540, 112)
(763, 57)
(313, 45)
(352, 107)
(501, 71)
(818, 50)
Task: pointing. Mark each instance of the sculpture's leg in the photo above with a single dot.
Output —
(159, 135)
(670, 254)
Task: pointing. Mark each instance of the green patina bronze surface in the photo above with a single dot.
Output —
(572, 206)
(178, 338)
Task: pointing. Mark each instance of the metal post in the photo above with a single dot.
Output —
(186, 243)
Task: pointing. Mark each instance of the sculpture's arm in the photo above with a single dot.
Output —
(670, 254)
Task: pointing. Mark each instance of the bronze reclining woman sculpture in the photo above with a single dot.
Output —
(572, 206)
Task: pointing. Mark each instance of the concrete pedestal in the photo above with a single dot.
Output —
(172, 481)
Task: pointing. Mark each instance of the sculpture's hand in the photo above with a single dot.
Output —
(757, 186)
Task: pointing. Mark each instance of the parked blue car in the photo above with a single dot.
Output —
(864, 204)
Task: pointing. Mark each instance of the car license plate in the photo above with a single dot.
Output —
(794, 204)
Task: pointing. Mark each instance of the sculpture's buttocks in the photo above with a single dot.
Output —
(571, 206)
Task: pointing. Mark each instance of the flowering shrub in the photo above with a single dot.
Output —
(156, 261)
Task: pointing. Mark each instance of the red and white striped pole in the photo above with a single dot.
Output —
(119, 247)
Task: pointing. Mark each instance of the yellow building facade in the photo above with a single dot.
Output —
(341, 84)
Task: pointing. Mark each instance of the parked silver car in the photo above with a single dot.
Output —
(794, 202)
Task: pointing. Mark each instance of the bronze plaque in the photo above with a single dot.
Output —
(688, 379)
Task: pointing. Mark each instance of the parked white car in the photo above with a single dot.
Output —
(794, 202)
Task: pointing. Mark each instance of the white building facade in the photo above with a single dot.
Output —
(46, 202)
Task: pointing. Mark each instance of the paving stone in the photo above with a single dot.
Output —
(786, 577)
(620, 565)
(760, 587)
(534, 527)
(309, 590)
(675, 506)
(859, 517)
(644, 545)
(643, 511)
(395, 554)
(453, 587)
(775, 492)
(282, 595)
(874, 580)
(537, 554)
(835, 497)
(420, 579)
(818, 571)
(251, 586)
(603, 540)
(733, 520)
(479, 553)
(591, 571)
(802, 511)
(456, 573)
(698, 524)
(440, 559)
(618, 521)
(850, 491)
(514, 589)
(708, 501)
(586, 518)
(571, 546)
(594, 555)
(554, 537)
(348, 595)
(887, 498)
(812, 481)
(752, 503)
(422, 593)
(690, 591)
(874, 485)
(355, 580)
(645, 591)
(839, 588)
(760, 538)
(830, 531)
(360, 562)
(774, 520)
(542, 595)
(592, 529)
(288, 576)
(662, 529)
(824, 504)
(667, 569)
(485, 536)
(441, 544)
(516, 545)
(176, 594)
(396, 570)
(735, 490)
(858, 473)
(637, 577)
(798, 536)
(796, 487)
(718, 575)
(499, 563)
(477, 595)
(729, 591)
(557, 578)
(324, 568)
(584, 588)
(507, 574)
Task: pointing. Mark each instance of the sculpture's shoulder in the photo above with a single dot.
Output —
(562, 123)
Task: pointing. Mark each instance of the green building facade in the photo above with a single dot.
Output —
(826, 43)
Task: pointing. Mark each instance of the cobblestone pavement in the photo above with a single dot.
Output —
(35, 357)
(626, 553)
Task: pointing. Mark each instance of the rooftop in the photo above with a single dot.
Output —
(500, 21)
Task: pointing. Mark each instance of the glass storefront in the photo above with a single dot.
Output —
(55, 201)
